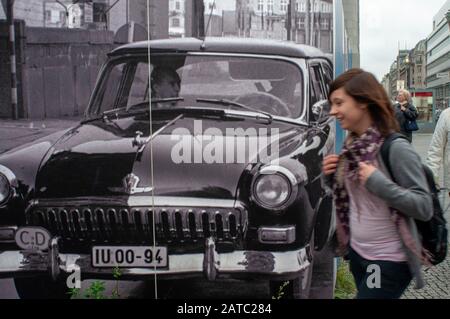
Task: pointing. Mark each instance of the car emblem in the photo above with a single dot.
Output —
(130, 183)
(130, 186)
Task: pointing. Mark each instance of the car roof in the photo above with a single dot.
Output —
(223, 45)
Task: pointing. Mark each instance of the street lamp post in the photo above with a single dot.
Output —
(12, 50)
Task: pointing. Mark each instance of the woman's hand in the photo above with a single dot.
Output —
(329, 164)
(365, 171)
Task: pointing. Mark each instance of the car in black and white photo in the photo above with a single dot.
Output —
(221, 178)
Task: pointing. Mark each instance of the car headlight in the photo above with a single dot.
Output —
(274, 188)
(8, 185)
(272, 191)
(5, 189)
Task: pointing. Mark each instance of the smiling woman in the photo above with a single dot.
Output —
(369, 204)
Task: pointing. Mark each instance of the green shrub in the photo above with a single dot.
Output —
(345, 283)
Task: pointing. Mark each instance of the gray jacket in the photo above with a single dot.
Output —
(411, 196)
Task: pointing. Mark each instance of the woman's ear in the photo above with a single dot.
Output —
(363, 106)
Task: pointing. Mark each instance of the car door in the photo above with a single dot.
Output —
(320, 80)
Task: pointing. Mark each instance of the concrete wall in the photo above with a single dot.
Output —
(57, 70)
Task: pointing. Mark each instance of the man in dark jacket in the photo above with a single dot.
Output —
(405, 110)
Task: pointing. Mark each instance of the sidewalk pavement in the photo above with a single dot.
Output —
(437, 277)
(40, 124)
(14, 133)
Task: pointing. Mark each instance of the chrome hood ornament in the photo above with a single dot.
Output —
(130, 186)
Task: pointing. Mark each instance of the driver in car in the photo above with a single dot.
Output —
(285, 90)
(165, 83)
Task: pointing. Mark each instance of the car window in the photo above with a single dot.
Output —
(270, 85)
(328, 76)
(125, 85)
(139, 85)
(263, 84)
(208, 78)
(112, 85)
(317, 92)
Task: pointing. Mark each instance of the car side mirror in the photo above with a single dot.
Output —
(321, 111)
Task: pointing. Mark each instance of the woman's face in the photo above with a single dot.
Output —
(352, 115)
(401, 97)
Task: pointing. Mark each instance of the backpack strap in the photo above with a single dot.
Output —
(385, 148)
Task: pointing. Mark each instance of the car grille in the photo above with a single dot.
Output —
(135, 225)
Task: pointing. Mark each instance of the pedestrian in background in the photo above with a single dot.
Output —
(439, 153)
(405, 112)
(375, 225)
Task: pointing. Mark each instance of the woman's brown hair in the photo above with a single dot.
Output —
(365, 89)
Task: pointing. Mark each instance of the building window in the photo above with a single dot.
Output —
(270, 6)
(302, 7)
(260, 5)
(98, 12)
(302, 23)
(324, 24)
(283, 6)
(62, 16)
(48, 15)
(175, 22)
(315, 6)
(177, 5)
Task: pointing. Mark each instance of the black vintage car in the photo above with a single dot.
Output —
(217, 175)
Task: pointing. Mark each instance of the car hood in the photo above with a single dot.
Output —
(104, 157)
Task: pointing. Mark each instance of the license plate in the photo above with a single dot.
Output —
(129, 256)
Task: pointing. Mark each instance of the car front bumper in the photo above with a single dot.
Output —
(242, 264)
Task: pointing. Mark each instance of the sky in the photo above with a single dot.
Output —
(383, 23)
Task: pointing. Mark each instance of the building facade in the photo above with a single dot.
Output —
(438, 58)
(124, 12)
(98, 14)
(408, 71)
(51, 14)
(310, 21)
(176, 19)
(386, 83)
(351, 14)
(32, 11)
(418, 67)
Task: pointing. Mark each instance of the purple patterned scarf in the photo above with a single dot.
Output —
(363, 149)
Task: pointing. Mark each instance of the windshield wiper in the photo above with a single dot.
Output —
(168, 99)
(144, 103)
(237, 104)
(119, 110)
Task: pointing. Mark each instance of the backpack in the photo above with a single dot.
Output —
(434, 232)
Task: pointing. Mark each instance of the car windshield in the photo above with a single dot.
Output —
(261, 84)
